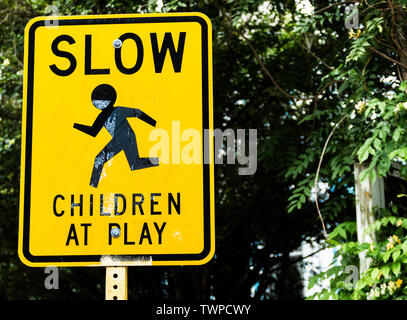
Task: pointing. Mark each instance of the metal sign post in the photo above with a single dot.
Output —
(116, 283)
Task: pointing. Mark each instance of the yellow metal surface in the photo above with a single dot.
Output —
(64, 221)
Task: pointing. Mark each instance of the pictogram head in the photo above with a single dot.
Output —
(103, 96)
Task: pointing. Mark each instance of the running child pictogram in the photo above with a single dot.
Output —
(114, 119)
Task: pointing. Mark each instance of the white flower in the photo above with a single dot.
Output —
(360, 106)
(6, 62)
(383, 288)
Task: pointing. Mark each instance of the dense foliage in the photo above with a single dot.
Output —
(372, 115)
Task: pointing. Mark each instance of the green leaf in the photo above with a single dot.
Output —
(334, 270)
(360, 284)
(395, 267)
(395, 255)
(362, 157)
(364, 174)
(383, 166)
(396, 134)
(372, 176)
(386, 271)
(343, 87)
(341, 231)
(401, 152)
(403, 86)
(375, 273)
(312, 281)
(382, 106)
(386, 256)
(377, 144)
(382, 134)
(363, 152)
(364, 246)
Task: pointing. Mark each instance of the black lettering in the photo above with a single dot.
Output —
(140, 54)
(145, 234)
(153, 203)
(101, 207)
(91, 205)
(177, 205)
(85, 232)
(116, 204)
(168, 44)
(63, 54)
(72, 235)
(77, 204)
(125, 236)
(139, 203)
(88, 58)
(58, 214)
(159, 231)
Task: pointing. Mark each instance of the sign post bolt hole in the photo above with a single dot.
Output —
(117, 43)
(115, 232)
(116, 283)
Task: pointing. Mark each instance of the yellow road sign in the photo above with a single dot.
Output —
(115, 115)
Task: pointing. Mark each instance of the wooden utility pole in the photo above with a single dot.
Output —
(368, 198)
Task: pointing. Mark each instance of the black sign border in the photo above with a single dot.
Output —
(95, 259)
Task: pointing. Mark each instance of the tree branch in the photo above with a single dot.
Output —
(334, 5)
(381, 54)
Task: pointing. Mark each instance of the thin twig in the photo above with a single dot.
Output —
(369, 6)
(256, 56)
(317, 174)
(314, 55)
(266, 71)
(399, 74)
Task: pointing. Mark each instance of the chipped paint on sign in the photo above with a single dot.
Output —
(107, 260)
